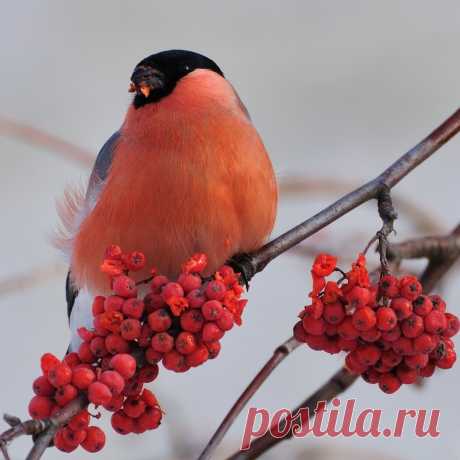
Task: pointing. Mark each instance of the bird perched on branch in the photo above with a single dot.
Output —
(187, 172)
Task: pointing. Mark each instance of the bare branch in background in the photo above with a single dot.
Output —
(39, 138)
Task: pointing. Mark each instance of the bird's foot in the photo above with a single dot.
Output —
(242, 263)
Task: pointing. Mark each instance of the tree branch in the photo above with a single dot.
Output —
(278, 356)
(443, 255)
(42, 430)
(256, 261)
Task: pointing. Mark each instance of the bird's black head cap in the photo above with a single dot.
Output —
(157, 75)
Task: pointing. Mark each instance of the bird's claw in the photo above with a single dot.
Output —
(242, 264)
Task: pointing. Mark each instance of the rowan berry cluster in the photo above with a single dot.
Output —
(179, 323)
(392, 333)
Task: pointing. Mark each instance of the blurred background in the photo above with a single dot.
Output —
(338, 90)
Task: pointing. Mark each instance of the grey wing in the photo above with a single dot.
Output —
(96, 180)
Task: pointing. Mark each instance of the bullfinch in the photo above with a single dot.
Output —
(187, 172)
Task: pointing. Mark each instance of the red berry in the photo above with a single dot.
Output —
(158, 282)
(299, 332)
(424, 343)
(152, 356)
(115, 403)
(211, 332)
(347, 345)
(435, 322)
(386, 319)
(212, 310)
(225, 322)
(95, 439)
(80, 421)
(113, 252)
(65, 394)
(428, 370)
(416, 362)
(317, 342)
(121, 423)
(113, 380)
(149, 398)
(134, 261)
(40, 407)
(192, 321)
(390, 358)
(113, 303)
(97, 347)
(85, 354)
(124, 364)
(153, 302)
(371, 376)
(148, 373)
(358, 297)
(82, 377)
(145, 336)
(47, 361)
(422, 305)
(189, 281)
(334, 313)
(402, 307)
(389, 286)
(391, 336)
(213, 349)
(406, 375)
(130, 329)
(116, 344)
(447, 361)
(409, 287)
(453, 325)
(176, 362)
(438, 303)
(73, 438)
(150, 419)
(72, 359)
(389, 383)
(61, 443)
(185, 343)
(196, 298)
(160, 320)
(372, 335)
(353, 364)
(98, 305)
(313, 326)
(199, 356)
(42, 387)
(403, 346)
(347, 330)
(99, 393)
(367, 355)
(133, 308)
(124, 286)
(215, 290)
(364, 319)
(412, 327)
(134, 407)
(172, 290)
(162, 342)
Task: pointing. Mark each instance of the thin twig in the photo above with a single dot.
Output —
(336, 385)
(256, 261)
(278, 356)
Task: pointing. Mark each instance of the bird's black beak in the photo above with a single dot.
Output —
(144, 80)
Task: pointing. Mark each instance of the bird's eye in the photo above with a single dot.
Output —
(187, 68)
